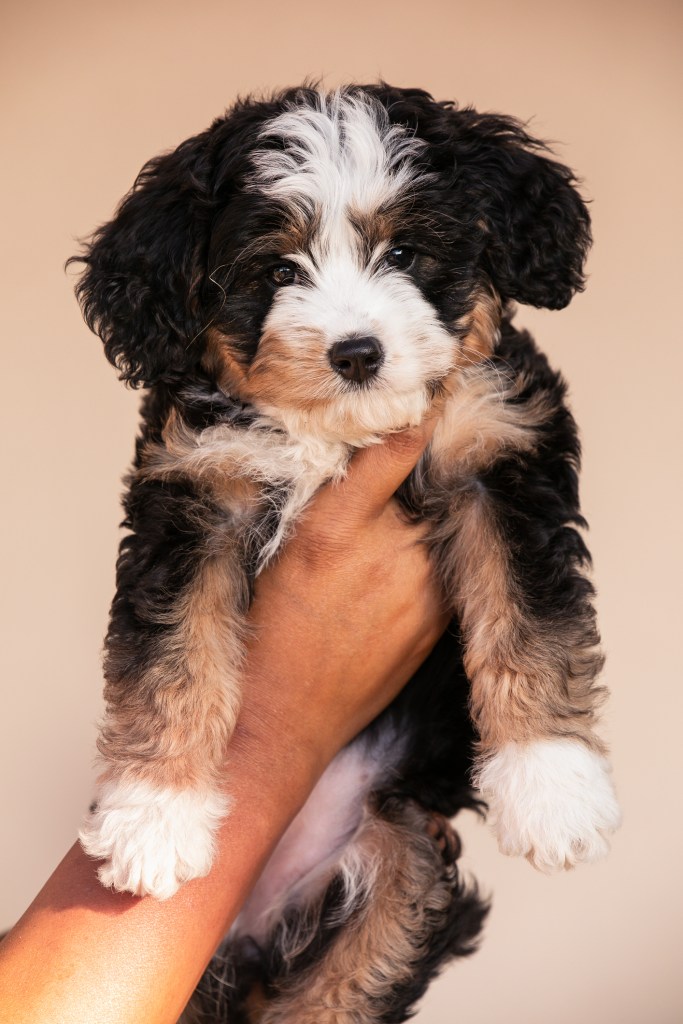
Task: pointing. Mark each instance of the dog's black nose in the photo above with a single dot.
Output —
(357, 358)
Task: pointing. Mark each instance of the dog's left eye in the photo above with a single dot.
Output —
(401, 257)
(283, 274)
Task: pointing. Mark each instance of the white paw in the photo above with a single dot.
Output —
(551, 801)
(152, 840)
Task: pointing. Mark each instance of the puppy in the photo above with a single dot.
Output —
(308, 275)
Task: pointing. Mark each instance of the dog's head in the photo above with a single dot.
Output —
(332, 258)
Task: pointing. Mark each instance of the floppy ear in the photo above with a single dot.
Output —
(537, 226)
(144, 268)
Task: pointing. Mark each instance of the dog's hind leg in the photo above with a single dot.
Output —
(393, 914)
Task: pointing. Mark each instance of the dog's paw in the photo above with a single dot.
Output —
(152, 840)
(551, 801)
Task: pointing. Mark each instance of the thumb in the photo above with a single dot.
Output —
(375, 473)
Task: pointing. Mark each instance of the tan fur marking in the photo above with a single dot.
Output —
(480, 327)
(220, 360)
(172, 728)
(290, 372)
(377, 227)
(296, 235)
(205, 458)
(377, 950)
(478, 422)
(527, 683)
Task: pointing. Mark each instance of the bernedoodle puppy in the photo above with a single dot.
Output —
(311, 273)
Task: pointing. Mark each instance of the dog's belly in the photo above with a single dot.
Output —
(304, 860)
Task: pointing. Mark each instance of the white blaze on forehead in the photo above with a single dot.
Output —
(343, 152)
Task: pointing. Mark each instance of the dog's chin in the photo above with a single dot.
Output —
(358, 418)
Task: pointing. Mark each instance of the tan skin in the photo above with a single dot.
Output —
(340, 623)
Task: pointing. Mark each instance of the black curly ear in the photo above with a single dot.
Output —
(537, 225)
(142, 269)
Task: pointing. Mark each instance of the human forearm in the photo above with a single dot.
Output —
(82, 952)
(339, 624)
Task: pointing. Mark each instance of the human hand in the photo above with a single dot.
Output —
(347, 614)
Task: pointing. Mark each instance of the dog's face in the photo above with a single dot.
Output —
(332, 258)
(338, 305)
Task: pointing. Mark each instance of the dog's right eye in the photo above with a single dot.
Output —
(401, 257)
(283, 274)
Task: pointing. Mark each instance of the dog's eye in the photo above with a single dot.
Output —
(400, 257)
(283, 274)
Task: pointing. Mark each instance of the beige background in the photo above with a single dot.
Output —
(90, 91)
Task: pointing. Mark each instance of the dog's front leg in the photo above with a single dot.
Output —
(515, 565)
(173, 657)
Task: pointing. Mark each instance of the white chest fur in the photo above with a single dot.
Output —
(242, 467)
(286, 462)
(299, 466)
